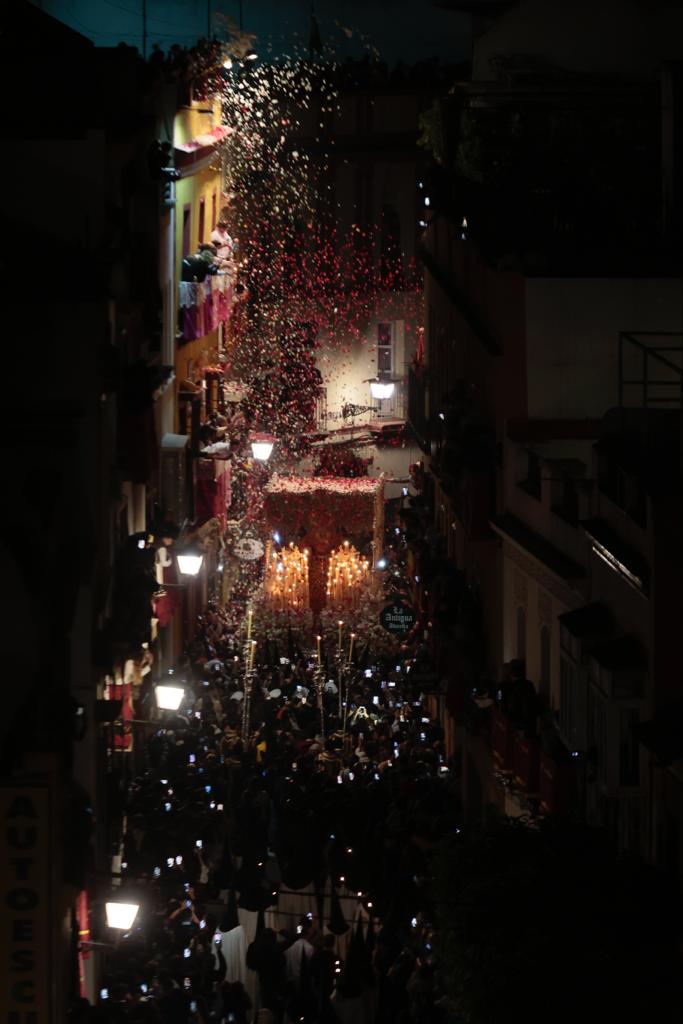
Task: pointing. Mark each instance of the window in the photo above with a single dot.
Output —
(521, 633)
(214, 201)
(202, 219)
(187, 223)
(568, 725)
(597, 732)
(544, 680)
(629, 750)
(385, 348)
(532, 484)
(637, 506)
(570, 643)
(570, 499)
(572, 715)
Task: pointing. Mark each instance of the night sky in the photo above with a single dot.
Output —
(397, 28)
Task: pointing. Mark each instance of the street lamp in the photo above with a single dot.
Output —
(262, 446)
(169, 698)
(190, 559)
(121, 915)
(381, 387)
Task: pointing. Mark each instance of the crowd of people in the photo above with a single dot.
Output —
(307, 834)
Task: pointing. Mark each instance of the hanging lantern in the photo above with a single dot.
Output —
(121, 915)
(169, 698)
(381, 388)
(190, 559)
(262, 446)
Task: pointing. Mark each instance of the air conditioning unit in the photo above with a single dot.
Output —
(173, 476)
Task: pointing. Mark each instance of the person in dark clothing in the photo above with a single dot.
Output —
(266, 958)
(520, 700)
(171, 1002)
(324, 966)
(236, 1004)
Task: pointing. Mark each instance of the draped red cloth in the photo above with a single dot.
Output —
(207, 306)
(213, 492)
(84, 937)
(326, 508)
(166, 604)
(123, 738)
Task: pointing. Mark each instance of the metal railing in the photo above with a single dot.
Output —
(656, 363)
(651, 372)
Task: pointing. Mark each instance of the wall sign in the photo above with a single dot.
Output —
(25, 920)
(397, 617)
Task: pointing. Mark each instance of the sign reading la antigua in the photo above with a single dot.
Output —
(397, 617)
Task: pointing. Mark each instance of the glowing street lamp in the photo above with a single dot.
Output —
(381, 388)
(190, 560)
(121, 915)
(262, 446)
(169, 698)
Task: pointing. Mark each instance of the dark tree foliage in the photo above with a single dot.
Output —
(541, 924)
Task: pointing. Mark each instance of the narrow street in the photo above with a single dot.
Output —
(279, 862)
(344, 512)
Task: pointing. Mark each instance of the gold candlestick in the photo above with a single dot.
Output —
(339, 644)
(353, 637)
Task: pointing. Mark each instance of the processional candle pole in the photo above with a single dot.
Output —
(319, 687)
(347, 672)
(340, 668)
(249, 651)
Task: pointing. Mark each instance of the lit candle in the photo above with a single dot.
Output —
(339, 645)
(353, 637)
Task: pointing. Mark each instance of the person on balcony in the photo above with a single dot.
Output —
(224, 244)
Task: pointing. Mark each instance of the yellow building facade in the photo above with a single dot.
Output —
(197, 137)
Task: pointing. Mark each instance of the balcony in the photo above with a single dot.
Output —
(203, 305)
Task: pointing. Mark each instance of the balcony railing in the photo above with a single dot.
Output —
(651, 373)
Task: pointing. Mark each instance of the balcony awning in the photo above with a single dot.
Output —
(204, 141)
(189, 155)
